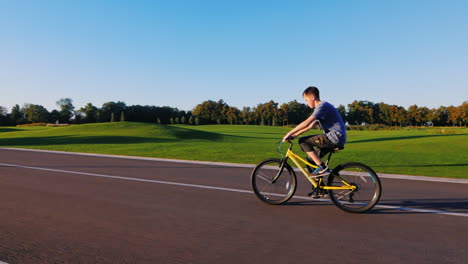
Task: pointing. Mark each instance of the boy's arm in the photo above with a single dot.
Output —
(307, 128)
(301, 128)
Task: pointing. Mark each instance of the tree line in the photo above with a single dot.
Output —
(219, 112)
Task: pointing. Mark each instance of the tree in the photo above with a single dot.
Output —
(293, 113)
(397, 115)
(111, 107)
(267, 113)
(212, 112)
(150, 114)
(423, 115)
(98, 116)
(442, 116)
(35, 113)
(232, 115)
(432, 116)
(17, 115)
(246, 116)
(54, 116)
(222, 108)
(384, 114)
(417, 115)
(464, 113)
(165, 113)
(66, 109)
(122, 116)
(458, 115)
(360, 112)
(402, 116)
(342, 110)
(183, 116)
(90, 113)
(413, 115)
(79, 117)
(3, 116)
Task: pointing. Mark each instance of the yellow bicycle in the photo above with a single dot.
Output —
(353, 187)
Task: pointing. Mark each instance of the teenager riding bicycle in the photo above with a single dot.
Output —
(330, 121)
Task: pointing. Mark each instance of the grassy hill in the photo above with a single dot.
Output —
(432, 151)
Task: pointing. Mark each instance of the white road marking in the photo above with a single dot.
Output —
(221, 189)
(125, 178)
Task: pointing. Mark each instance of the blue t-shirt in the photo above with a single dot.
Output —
(331, 122)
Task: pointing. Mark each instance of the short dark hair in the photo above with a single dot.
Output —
(312, 90)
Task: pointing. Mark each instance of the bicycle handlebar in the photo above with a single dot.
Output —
(281, 143)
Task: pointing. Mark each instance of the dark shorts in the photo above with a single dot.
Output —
(321, 141)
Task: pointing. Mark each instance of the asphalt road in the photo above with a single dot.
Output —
(60, 208)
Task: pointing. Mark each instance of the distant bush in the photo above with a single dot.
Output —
(32, 124)
(370, 127)
(432, 130)
(57, 125)
(42, 124)
(378, 127)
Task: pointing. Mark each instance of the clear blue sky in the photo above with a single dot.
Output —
(180, 53)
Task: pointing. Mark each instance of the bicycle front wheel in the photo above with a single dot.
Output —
(273, 184)
(367, 183)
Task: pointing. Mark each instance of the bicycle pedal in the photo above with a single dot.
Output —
(314, 195)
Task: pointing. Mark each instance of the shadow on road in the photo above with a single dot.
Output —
(307, 203)
(449, 205)
(452, 205)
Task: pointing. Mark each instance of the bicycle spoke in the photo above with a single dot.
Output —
(265, 187)
(260, 176)
(343, 195)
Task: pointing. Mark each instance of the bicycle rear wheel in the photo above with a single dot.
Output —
(273, 191)
(368, 191)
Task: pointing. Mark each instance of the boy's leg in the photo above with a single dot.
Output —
(309, 144)
(311, 161)
(312, 144)
(313, 156)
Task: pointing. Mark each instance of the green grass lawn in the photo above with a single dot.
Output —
(430, 152)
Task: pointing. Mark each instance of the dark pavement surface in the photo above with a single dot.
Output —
(58, 217)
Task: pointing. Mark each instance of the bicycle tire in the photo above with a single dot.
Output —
(367, 194)
(270, 192)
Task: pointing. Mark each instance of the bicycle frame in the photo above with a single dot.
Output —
(298, 160)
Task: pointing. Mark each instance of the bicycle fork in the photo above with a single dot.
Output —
(282, 165)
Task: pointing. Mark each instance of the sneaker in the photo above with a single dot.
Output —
(320, 172)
